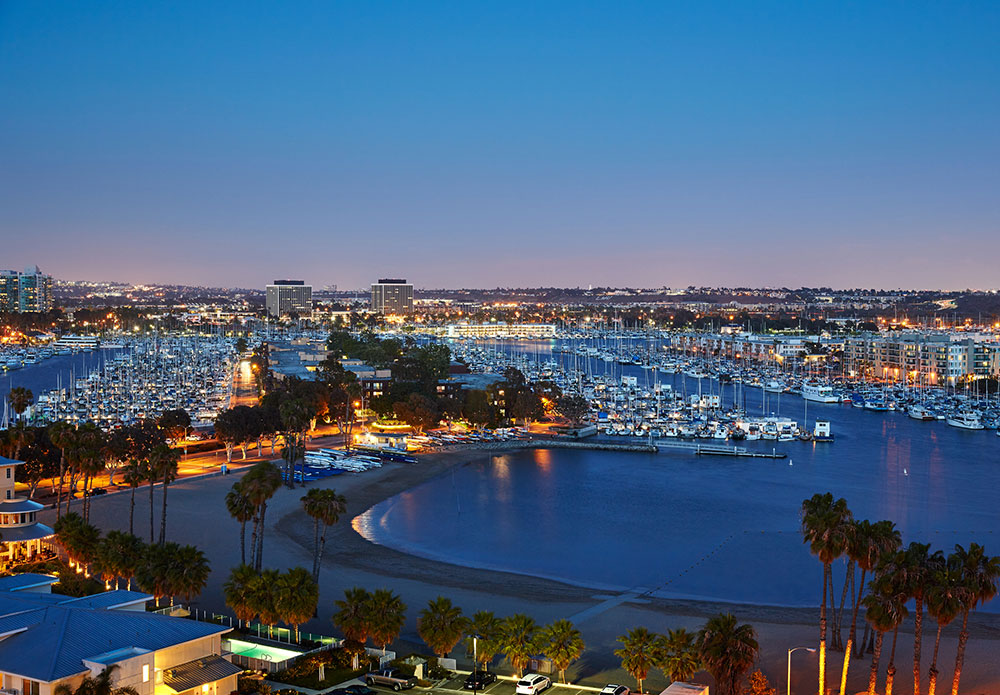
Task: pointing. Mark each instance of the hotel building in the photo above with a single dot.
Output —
(285, 297)
(27, 291)
(391, 296)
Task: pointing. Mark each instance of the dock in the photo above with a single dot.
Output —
(717, 450)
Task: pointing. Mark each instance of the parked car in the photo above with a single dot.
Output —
(614, 689)
(532, 684)
(477, 680)
(392, 678)
(358, 689)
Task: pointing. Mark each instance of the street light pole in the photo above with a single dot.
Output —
(475, 665)
(788, 683)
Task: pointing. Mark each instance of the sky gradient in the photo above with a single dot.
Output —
(503, 144)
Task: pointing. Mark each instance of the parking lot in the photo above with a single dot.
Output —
(504, 687)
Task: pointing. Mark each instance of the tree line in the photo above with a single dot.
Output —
(948, 586)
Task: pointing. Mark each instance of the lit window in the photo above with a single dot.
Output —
(145, 673)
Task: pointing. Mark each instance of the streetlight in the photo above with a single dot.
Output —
(475, 665)
(788, 683)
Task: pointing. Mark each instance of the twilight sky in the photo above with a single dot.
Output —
(503, 143)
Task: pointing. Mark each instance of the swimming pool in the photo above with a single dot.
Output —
(252, 650)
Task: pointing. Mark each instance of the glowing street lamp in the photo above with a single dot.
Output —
(788, 683)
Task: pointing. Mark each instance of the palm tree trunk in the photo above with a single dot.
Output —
(260, 537)
(873, 675)
(838, 639)
(822, 631)
(163, 516)
(853, 635)
(319, 555)
(918, 618)
(963, 637)
(62, 477)
(253, 539)
(316, 549)
(891, 674)
(243, 542)
(131, 513)
(152, 484)
(933, 674)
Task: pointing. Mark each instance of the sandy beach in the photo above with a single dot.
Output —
(196, 515)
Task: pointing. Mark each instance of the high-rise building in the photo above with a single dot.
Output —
(25, 292)
(392, 296)
(286, 297)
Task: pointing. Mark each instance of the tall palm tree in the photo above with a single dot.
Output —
(260, 484)
(353, 618)
(518, 639)
(387, 615)
(979, 580)
(264, 598)
(189, 572)
(487, 629)
(96, 685)
(135, 474)
(638, 653)
(325, 508)
(78, 538)
(441, 625)
(825, 524)
(240, 508)
(155, 573)
(119, 554)
(238, 592)
(944, 602)
(20, 400)
(296, 597)
(61, 435)
(562, 643)
(164, 461)
(681, 655)
(914, 567)
(885, 610)
(868, 544)
(728, 650)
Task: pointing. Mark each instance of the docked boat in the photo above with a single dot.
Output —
(919, 412)
(816, 392)
(966, 421)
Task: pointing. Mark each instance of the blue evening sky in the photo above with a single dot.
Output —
(505, 143)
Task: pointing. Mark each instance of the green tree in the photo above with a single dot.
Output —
(759, 685)
(884, 610)
(96, 685)
(519, 639)
(188, 572)
(238, 592)
(680, 657)
(296, 596)
(944, 602)
(387, 615)
(163, 463)
(441, 625)
(353, 618)
(242, 509)
(259, 485)
(78, 538)
(639, 652)
(324, 507)
(825, 524)
(562, 643)
(573, 408)
(264, 598)
(979, 579)
(20, 399)
(135, 474)
(728, 650)
(487, 629)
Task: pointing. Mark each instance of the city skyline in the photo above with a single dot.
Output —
(567, 145)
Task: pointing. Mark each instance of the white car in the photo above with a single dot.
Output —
(613, 689)
(532, 684)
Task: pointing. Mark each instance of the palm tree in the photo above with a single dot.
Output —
(260, 484)
(78, 538)
(20, 400)
(240, 508)
(681, 655)
(163, 460)
(325, 508)
(867, 545)
(487, 629)
(884, 610)
(562, 643)
(824, 527)
(944, 601)
(353, 618)
(154, 575)
(518, 639)
(96, 685)
(189, 572)
(386, 615)
(264, 598)
(639, 652)
(239, 590)
(979, 580)
(915, 565)
(135, 474)
(296, 597)
(728, 650)
(117, 556)
(441, 625)
(61, 435)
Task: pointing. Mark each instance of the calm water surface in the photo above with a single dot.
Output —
(700, 527)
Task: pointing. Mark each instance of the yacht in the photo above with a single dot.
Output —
(919, 412)
(966, 421)
(819, 393)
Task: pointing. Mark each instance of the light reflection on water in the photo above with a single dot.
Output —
(709, 527)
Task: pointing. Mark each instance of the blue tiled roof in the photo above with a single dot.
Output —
(58, 637)
(109, 599)
(26, 580)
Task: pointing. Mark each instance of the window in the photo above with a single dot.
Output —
(145, 673)
(30, 687)
(8, 471)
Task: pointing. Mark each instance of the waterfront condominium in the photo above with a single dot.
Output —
(391, 296)
(25, 292)
(286, 297)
